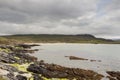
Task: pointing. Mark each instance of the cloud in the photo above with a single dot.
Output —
(98, 17)
(55, 9)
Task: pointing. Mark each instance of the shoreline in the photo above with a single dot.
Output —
(73, 43)
(17, 59)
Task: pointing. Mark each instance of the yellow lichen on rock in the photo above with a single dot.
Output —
(54, 78)
(17, 58)
(22, 67)
(5, 50)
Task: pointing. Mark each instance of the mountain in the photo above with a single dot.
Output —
(53, 38)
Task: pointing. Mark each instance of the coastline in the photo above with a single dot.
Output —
(19, 65)
(71, 43)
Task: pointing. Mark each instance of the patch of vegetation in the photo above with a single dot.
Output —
(19, 48)
(55, 78)
(5, 50)
(17, 58)
(21, 67)
(4, 40)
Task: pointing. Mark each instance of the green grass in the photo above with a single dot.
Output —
(4, 40)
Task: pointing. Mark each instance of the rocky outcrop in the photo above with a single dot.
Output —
(78, 58)
(114, 75)
(75, 58)
(57, 71)
(16, 58)
(27, 45)
(92, 60)
(11, 56)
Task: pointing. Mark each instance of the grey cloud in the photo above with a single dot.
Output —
(55, 9)
(12, 16)
(60, 16)
(114, 5)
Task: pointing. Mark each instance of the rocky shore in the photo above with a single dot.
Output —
(16, 63)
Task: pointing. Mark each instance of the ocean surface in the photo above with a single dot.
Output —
(109, 54)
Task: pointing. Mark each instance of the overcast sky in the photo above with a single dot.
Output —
(97, 17)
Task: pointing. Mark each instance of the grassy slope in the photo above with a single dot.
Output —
(59, 38)
(4, 40)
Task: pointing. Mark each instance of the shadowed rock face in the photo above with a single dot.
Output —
(56, 71)
(19, 77)
(114, 75)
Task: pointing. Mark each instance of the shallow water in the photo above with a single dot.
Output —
(109, 54)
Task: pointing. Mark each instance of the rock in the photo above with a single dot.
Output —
(34, 45)
(78, 58)
(110, 78)
(19, 77)
(8, 58)
(17, 55)
(37, 77)
(3, 72)
(23, 45)
(75, 58)
(9, 68)
(20, 58)
(95, 60)
(56, 71)
(7, 71)
(114, 75)
(11, 76)
(27, 45)
(99, 61)
(25, 50)
(46, 72)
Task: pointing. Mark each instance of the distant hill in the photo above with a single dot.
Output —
(116, 39)
(54, 38)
